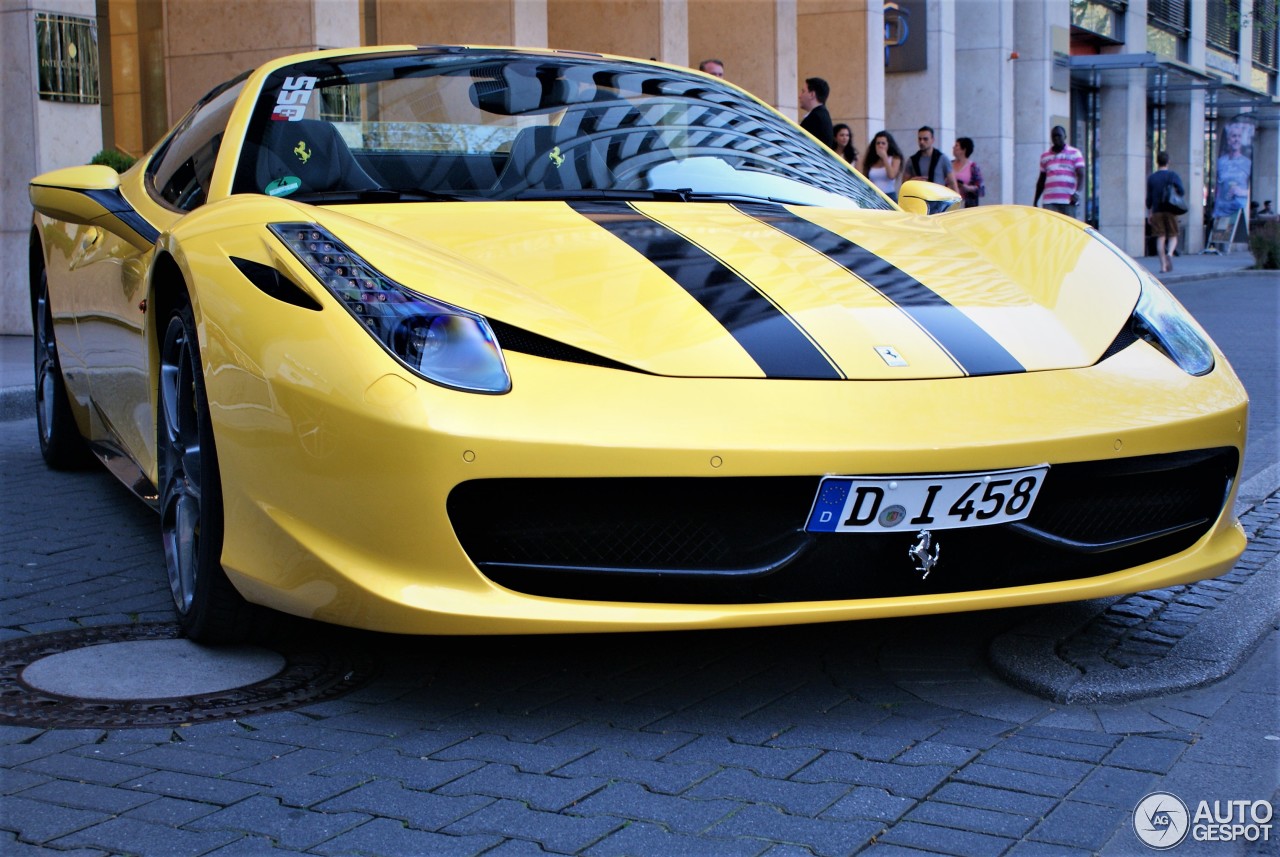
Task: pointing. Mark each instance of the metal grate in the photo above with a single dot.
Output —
(740, 540)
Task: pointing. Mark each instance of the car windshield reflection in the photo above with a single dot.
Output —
(489, 125)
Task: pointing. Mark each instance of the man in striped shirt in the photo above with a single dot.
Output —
(1061, 175)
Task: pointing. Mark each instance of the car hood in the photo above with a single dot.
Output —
(765, 290)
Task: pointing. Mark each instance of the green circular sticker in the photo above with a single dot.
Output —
(284, 186)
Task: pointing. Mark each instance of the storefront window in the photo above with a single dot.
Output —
(1101, 17)
(1168, 27)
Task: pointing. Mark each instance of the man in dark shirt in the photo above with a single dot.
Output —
(1163, 217)
(817, 121)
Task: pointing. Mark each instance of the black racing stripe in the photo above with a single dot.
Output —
(772, 338)
(972, 348)
(114, 202)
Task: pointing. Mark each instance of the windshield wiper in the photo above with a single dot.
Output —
(682, 194)
(602, 193)
(375, 195)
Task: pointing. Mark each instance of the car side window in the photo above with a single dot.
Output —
(181, 170)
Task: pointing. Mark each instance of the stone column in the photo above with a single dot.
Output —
(1036, 106)
(1122, 161)
(928, 97)
(984, 92)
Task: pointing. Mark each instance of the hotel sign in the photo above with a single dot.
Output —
(67, 58)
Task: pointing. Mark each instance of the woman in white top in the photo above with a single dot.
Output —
(883, 163)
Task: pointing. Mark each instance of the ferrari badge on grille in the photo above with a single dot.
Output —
(920, 553)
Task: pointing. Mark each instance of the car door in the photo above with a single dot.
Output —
(112, 292)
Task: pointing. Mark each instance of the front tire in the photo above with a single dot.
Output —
(61, 445)
(209, 608)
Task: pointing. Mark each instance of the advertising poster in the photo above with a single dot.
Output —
(1234, 169)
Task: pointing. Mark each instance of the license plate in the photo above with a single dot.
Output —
(881, 504)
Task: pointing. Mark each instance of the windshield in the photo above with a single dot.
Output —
(499, 125)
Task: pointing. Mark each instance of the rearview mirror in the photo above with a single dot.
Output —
(90, 196)
(921, 197)
(74, 194)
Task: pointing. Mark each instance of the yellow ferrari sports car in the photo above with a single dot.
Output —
(453, 340)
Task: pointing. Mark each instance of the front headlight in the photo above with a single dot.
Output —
(438, 341)
(1162, 322)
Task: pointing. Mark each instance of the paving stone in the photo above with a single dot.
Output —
(822, 836)
(554, 831)
(945, 840)
(191, 787)
(129, 836)
(88, 796)
(1057, 749)
(903, 780)
(1003, 800)
(539, 791)
(1011, 780)
(388, 838)
(70, 767)
(797, 798)
(880, 748)
(768, 761)
(677, 814)
(36, 821)
(970, 818)
(933, 753)
(414, 772)
(1115, 787)
(869, 804)
(170, 811)
(663, 777)
(636, 743)
(186, 759)
(288, 826)
(1081, 825)
(424, 810)
(530, 758)
(1143, 753)
(1064, 769)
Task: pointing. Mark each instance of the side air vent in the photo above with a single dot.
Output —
(512, 338)
(1123, 340)
(277, 285)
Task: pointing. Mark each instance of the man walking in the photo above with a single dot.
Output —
(1161, 214)
(928, 163)
(1061, 175)
(817, 121)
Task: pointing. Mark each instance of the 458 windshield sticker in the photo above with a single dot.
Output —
(294, 96)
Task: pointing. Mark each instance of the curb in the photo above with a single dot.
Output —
(17, 403)
(1033, 656)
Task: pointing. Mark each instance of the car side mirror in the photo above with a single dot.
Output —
(90, 196)
(75, 194)
(922, 197)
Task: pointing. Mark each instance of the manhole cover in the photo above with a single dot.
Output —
(42, 682)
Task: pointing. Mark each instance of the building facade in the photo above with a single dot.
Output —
(1127, 78)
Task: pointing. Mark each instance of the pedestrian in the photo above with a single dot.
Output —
(882, 164)
(844, 144)
(1061, 175)
(1160, 214)
(713, 67)
(928, 163)
(817, 120)
(967, 172)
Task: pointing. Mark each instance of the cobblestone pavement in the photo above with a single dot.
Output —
(886, 737)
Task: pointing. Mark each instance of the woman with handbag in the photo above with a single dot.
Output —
(1166, 199)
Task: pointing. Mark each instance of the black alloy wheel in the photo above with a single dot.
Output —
(61, 443)
(209, 608)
